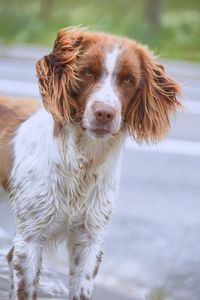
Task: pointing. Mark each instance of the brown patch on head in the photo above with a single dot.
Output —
(128, 75)
(147, 94)
(12, 114)
(57, 74)
(70, 72)
(90, 69)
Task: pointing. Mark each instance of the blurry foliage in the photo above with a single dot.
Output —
(178, 36)
(156, 294)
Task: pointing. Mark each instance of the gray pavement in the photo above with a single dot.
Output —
(152, 248)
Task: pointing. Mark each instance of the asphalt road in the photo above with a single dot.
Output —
(153, 241)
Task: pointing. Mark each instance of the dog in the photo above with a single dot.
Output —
(60, 162)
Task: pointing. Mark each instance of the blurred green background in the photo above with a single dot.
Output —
(170, 27)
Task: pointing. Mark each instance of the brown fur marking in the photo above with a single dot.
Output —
(18, 269)
(12, 114)
(99, 259)
(21, 293)
(35, 295)
(77, 260)
(9, 256)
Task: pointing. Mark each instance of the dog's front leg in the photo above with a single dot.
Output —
(85, 258)
(86, 248)
(26, 264)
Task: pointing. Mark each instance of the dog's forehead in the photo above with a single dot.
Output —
(111, 59)
(122, 55)
(111, 50)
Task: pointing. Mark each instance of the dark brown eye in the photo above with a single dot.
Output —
(127, 79)
(88, 73)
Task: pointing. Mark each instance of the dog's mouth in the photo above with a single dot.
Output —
(101, 131)
(98, 132)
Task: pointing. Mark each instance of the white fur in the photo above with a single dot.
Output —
(106, 91)
(61, 188)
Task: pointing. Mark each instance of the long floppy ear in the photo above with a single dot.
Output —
(148, 117)
(57, 74)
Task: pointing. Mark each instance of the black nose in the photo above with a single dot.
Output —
(103, 113)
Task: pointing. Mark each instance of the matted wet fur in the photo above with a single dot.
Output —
(60, 163)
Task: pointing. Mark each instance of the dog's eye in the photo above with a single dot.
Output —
(89, 73)
(127, 79)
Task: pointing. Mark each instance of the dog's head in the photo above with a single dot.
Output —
(106, 84)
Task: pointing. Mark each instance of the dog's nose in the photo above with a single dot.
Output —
(104, 113)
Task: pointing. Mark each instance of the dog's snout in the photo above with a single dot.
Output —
(103, 113)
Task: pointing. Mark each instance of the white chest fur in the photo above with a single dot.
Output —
(56, 182)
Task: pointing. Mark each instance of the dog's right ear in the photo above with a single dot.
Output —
(57, 74)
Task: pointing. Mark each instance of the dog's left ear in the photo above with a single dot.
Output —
(148, 117)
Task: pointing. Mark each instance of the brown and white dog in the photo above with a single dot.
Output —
(60, 163)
